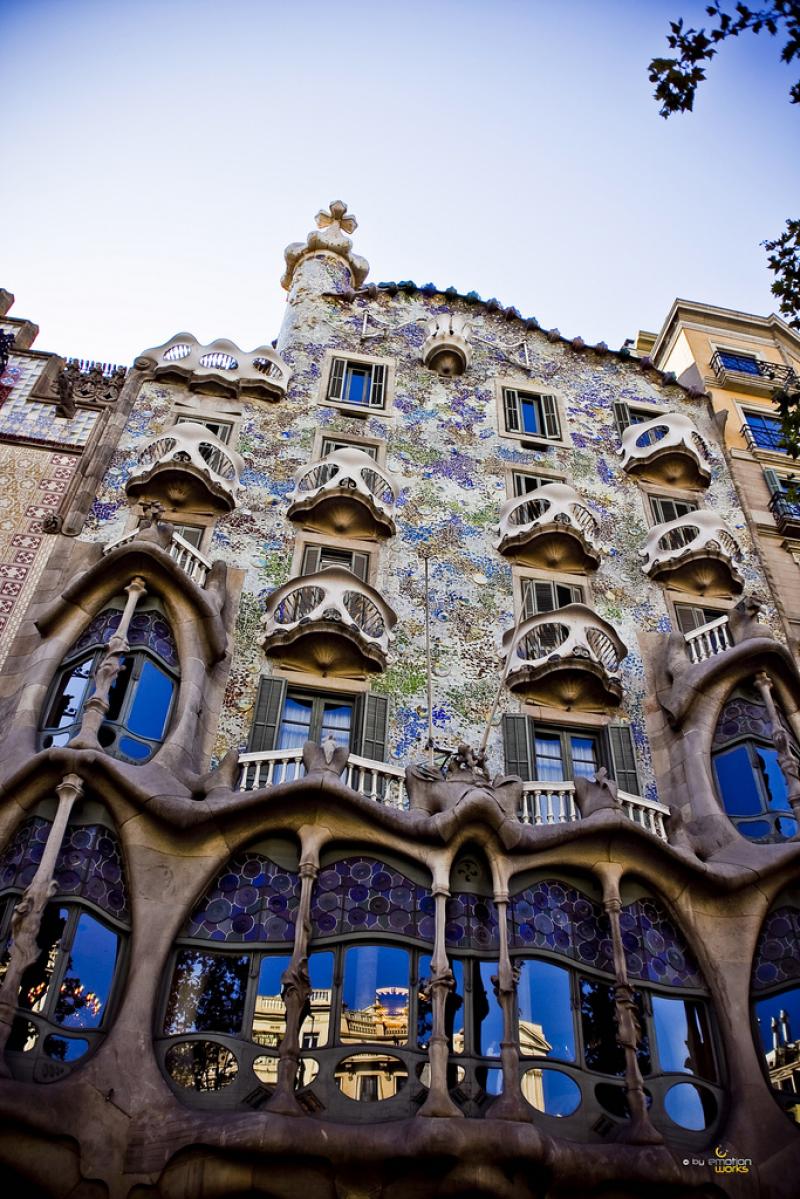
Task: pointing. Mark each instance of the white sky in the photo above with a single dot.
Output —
(156, 157)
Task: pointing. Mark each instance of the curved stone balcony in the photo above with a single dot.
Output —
(667, 449)
(696, 553)
(347, 494)
(568, 659)
(549, 527)
(329, 623)
(446, 349)
(187, 464)
(220, 367)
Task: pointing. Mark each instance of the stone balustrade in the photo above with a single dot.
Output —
(569, 658)
(329, 622)
(190, 560)
(709, 639)
(667, 449)
(186, 462)
(550, 527)
(346, 493)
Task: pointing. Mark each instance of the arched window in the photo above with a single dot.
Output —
(776, 1000)
(749, 779)
(143, 693)
(560, 941)
(223, 1017)
(67, 996)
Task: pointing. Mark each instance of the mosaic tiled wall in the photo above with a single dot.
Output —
(443, 442)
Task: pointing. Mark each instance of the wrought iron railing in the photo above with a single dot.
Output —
(756, 368)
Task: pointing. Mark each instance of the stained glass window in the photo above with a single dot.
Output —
(253, 899)
(654, 949)
(471, 922)
(554, 916)
(777, 959)
(361, 894)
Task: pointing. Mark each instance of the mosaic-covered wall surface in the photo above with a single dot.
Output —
(443, 443)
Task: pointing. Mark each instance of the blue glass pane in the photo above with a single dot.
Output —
(776, 958)
(672, 1034)
(269, 1015)
(766, 432)
(778, 1019)
(737, 783)
(84, 992)
(375, 995)
(686, 1107)
(295, 727)
(772, 776)
(754, 830)
(336, 722)
(65, 1049)
(150, 708)
(488, 1014)
(787, 827)
(531, 422)
(491, 1080)
(583, 757)
(357, 386)
(70, 695)
(207, 993)
(739, 362)
(551, 1091)
(545, 1013)
(315, 1029)
(134, 749)
(453, 1012)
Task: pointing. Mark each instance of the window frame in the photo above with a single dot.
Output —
(361, 360)
(542, 478)
(763, 413)
(538, 390)
(353, 440)
(306, 541)
(657, 498)
(523, 576)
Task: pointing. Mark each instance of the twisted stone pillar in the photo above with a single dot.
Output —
(790, 767)
(27, 918)
(106, 673)
(296, 993)
(438, 989)
(510, 1105)
(640, 1130)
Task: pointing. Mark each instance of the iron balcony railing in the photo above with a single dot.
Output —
(775, 373)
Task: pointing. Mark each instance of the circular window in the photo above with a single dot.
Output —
(201, 1065)
(689, 1106)
(551, 1091)
(371, 1077)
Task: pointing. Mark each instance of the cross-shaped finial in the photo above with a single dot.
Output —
(335, 214)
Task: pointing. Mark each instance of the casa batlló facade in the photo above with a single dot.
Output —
(400, 773)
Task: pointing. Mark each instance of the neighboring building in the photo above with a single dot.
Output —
(740, 360)
(301, 916)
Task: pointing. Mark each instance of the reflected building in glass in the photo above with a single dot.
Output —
(400, 766)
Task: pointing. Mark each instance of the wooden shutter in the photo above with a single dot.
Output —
(378, 389)
(623, 758)
(552, 428)
(310, 560)
(517, 736)
(622, 416)
(267, 714)
(373, 727)
(336, 380)
(511, 409)
(774, 481)
(360, 566)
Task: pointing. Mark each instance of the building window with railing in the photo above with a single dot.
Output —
(544, 595)
(735, 360)
(550, 753)
(763, 431)
(68, 994)
(142, 696)
(285, 717)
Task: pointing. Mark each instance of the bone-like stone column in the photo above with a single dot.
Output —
(790, 768)
(110, 665)
(296, 991)
(510, 1105)
(439, 987)
(640, 1130)
(27, 918)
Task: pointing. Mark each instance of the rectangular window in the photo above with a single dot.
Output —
(220, 428)
(624, 415)
(531, 414)
(765, 431)
(544, 596)
(556, 754)
(319, 557)
(359, 383)
(284, 717)
(331, 444)
(524, 484)
(746, 364)
(310, 717)
(692, 616)
(191, 533)
(665, 510)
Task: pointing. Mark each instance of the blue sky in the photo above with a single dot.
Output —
(158, 156)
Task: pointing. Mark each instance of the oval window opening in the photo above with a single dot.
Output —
(65, 1049)
(266, 1071)
(201, 1065)
(690, 1107)
(551, 1091)
(371, 1077)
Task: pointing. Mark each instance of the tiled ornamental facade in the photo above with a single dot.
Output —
(401, 772)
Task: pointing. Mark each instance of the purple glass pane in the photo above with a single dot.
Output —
(742, 717)
(251, 899)
(89, 864)
(655, 950)
(561, 919)
(364, 895)
(148, 630)
(776, 959)
(471, 922)
(98, 631)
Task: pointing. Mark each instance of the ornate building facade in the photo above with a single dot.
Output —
(400, 773)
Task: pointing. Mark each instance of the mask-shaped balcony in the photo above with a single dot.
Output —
(566, 659)
(549, 527)
(347, 494)
(667, 449)
(219, 368)
(329, 623)
(695, 553)
(185, 465)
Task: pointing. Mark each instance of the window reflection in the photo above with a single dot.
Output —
(85, 987)
(486, 1011)
(207, 993)
(546, 1025)
(599, 1028)
(269, 1015)
(315, 1029)
(454, 1006)
(36, 979)
(778, 1020)
(370, 1077)
(201, 1065)
(683, 1036)
(375, 995)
